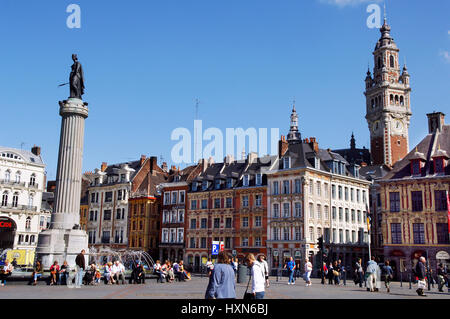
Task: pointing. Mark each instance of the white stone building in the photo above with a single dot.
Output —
(22, 182)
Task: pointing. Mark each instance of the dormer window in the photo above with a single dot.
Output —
(316, 163)
(415, 167)
(122, 178)
(229, 182)
(177, 178)
(258, 179)
(217, 186)
(194, 186)
(286, 162)
(438, 165)
(204, 185)
(246, 180)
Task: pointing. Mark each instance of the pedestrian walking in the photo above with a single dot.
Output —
(262, 260)
(330, 274)
(257, 276)
(359, 273)
(441, 277)
(324, 272)
(209, 266)
(308, 269)
(290, 266)
(336, 273)
(421, 273)
(388, 275)
(80, 267)
(221, 282)
(371, 274)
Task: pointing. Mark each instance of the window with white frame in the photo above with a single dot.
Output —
(173, 235)
(181, 216)
(298, 233)
(257, 241)
(245, 222)
(326, 211)
(319, 211)
(311, 234)
(258, 221)
(167, 198)
(276, 210)
(286, 210)
(173, 216)
(246, 180)
(182, 197)
(319, 188)
(275, 188)
(258, 179)
(298, 186)
(258, 200)
(174, 197)
(244, 241)
(285, 233)
(275, 233)
(298, 209)
(286, 162)
(165, 235)
(311, 187)
(180, 235)
(245, 201)
(311, 210)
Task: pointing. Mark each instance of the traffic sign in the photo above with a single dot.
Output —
(222, 246)
(215, 248)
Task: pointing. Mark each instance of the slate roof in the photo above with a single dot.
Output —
(25, 155)
(429, 146)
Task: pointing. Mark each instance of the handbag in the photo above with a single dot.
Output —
(248, 295)
(335, 273)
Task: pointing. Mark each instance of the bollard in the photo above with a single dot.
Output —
(401, 279)
(345, 277)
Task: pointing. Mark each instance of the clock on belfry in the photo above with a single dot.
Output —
(398, 125)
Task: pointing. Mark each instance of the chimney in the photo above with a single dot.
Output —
(314, 144)
(164, 167)
(436, 121)
(282, 146)
(104, 166)
(36, 150)
(210, 161)
(204, 164)
(153, 163)
(143, 158)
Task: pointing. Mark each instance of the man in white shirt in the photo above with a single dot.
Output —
(118, 272)
(262, 260)
(258, 276)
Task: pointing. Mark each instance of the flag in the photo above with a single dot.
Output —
(368, 217)
(448, 210)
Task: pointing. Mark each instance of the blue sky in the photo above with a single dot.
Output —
(146, 62)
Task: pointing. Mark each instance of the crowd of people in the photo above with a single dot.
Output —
(169, 272)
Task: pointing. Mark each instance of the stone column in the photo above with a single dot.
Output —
(66, 212)
(63, 241)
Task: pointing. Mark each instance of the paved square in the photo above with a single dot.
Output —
(195, 289)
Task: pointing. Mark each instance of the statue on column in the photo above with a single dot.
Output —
(76, 80)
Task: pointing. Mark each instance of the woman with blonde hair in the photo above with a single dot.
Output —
(257, 276)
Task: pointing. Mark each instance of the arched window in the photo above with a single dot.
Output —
(18, 177)
(402, 102)
(391, 61)
(379, 101)
(391, 98)
(7, 176)
(396, 99)
(32, 239)
(5, 198)
(28, 223)
(30, 200)
(26, 238)
(32, 180)
(379, 62)
(15, 199)
(373, 103)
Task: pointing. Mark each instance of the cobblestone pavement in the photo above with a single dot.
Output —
(195, 289)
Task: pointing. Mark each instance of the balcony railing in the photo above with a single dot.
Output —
(20, 207)
(10, 182)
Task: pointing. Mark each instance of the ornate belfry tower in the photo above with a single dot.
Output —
(388, 108)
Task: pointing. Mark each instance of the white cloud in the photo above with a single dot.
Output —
(344, 3)
(445, 55)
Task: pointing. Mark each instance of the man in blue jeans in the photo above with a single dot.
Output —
(80, 266)
(290, 265)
